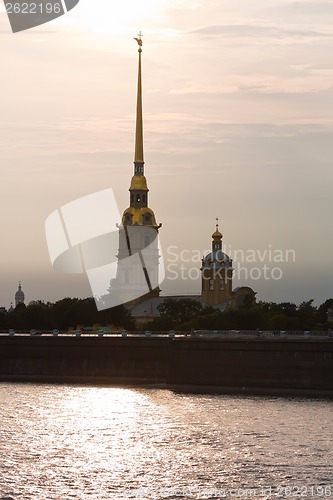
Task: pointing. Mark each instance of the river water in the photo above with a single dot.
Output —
(61, 442)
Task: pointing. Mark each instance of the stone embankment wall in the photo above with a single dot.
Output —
(208, 365)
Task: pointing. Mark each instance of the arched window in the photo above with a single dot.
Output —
(211, 284)
(147, 219)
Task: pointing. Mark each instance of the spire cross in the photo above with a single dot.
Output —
(217, 223)
(139, 39)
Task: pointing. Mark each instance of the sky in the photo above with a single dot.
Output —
(238, 124)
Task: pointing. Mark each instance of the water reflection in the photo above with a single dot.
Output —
(62, 442)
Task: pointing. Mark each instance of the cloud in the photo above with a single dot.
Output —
(297, 82)
(207, 89)
(260, 31)
(313, 8)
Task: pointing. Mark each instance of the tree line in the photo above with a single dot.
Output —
(64, 314)
(181, 314)
(187, 314)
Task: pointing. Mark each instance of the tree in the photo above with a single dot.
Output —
(322, 312)
(179, 311)
(38, 315)
(117, 316)
(17, 318)
(307, 315)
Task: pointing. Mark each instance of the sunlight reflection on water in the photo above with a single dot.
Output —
(63, 442)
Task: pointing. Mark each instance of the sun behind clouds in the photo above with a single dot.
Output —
(116, 17)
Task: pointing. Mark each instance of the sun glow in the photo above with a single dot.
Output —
(111, 17)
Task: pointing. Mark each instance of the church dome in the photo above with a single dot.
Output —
(217, 257)
(217, 236)
(19, 294)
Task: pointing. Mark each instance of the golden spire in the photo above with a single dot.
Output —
(138, 157)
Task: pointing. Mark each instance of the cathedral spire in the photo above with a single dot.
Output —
(139, 212)
(138, 156)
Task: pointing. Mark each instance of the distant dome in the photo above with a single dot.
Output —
(19, 296)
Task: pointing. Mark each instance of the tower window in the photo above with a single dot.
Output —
(147, 219)
(132, 198)
(211, 284)
(222, 284)
(138, 197)
(144, 198)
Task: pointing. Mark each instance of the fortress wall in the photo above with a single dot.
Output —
(223, 365)
(263, 364)
(123, 360)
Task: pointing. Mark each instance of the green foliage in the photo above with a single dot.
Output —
(176, 313)
(186, 314)
(179, 311)
(63, 314)
(322, 311)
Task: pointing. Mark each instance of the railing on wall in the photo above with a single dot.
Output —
(204, 334)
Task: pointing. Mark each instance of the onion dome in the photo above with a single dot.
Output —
(217, 257)
(217, 236)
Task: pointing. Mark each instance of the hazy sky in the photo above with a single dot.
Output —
(238, 124)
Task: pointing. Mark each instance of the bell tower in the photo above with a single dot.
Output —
(138, 234)
(216, 273)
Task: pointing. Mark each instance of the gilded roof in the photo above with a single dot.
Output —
(138, 216)
(217, 235)
(139, 183)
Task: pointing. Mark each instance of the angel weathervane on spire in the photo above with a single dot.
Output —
(139, 39)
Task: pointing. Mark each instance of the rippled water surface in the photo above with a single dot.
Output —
(75, 442)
